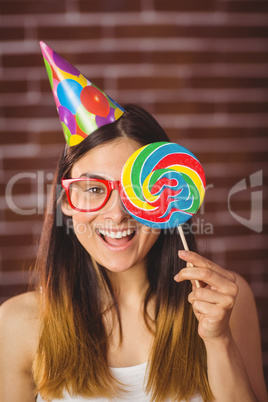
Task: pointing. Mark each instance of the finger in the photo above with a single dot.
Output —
(211, 296)
(206, 295)
(193, 281)
(199, 261)
(197, 284)
(201, 284)
(214, 313)
(210, 277)
(201, 307)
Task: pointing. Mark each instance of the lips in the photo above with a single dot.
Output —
(116, 237)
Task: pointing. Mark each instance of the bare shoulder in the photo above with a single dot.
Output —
(244, 318)
(19, 326)
(19, 337)
(21, 310)
(245, 302)
(25, 303)
(246, 333)
(243, 285)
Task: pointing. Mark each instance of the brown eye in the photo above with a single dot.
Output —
(96, 190)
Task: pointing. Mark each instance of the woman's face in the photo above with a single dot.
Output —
(110, 235)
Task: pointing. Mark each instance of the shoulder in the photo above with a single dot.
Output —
(243, 285)
(18, 309)
(245, 329)
(19, 337)
(245, 302)
(19, 326)
(244, 318)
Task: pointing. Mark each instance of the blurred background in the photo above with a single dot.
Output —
(200, 67)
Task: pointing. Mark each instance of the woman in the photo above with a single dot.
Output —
(116, 305)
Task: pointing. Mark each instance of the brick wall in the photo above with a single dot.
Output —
(200, 67)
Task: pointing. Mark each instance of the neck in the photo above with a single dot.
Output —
(130, 285)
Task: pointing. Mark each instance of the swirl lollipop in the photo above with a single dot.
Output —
(163, 186)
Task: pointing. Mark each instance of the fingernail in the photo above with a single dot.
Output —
(183, 253)
(176, 277)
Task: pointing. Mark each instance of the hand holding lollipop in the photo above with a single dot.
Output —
(163, 185)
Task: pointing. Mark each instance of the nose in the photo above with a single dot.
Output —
(114, 208)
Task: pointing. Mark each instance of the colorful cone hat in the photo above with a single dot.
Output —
(82, 107)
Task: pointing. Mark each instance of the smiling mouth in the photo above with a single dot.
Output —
(116, 238)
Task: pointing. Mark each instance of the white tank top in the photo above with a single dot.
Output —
(133, 377)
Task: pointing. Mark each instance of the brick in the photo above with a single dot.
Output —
(209, 107)
(31, 7)
(29, 111)
(27, 164)
(241, 206)
(256, 107)
(184, 107)
(13, 86)
(69, 32)
(103, 6)
(146, 31)
(14, 33)
(234, 230)
(22, 60)
(29, 205)
(182, 57)
(223, 181)
(234, 157)
(108, 58)
(18, 189)
(16, 264)
(247, 254)
(241, 57)
(144, 83)
(12, 241)
(13, 137)
(11, 216)
(191, 31)
(55, 137)
(211, 132)
(247, 6)
(228, 82)
(25, 213)
(183, 6)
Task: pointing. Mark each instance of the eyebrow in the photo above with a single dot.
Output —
(92, 176)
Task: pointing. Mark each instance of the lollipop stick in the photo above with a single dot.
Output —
(185, 245)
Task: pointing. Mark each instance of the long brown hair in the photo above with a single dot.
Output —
(73, 345)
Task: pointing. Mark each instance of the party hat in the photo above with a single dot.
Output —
(81, 105)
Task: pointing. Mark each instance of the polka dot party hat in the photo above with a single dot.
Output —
(82, 107)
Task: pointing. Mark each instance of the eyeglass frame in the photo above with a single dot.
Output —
(109, 184)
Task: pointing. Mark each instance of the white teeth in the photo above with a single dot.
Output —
(116, 235)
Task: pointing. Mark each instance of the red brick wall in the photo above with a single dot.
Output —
(200, 67)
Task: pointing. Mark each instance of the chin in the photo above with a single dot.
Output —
(116, 266)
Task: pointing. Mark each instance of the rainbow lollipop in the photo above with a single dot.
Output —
(163, 185)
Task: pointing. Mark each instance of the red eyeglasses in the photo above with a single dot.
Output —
(89, 194)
